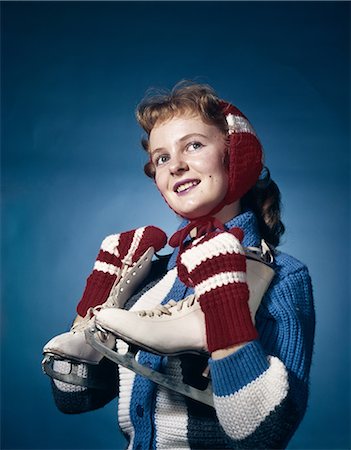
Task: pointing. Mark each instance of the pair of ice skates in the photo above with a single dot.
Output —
(170, 330)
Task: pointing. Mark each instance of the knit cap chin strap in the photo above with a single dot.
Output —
(203, 226)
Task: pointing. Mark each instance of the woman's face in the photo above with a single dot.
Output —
(188, 155)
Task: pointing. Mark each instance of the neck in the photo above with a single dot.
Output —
(227, 213)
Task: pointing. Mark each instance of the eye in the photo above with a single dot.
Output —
(160, 160)
(194, 145)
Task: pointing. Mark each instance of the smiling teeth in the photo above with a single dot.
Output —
(186, 186)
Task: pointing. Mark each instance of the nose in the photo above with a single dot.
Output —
(178, 165)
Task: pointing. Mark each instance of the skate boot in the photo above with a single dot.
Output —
(172, 329)
(117, 279)
(177, 327)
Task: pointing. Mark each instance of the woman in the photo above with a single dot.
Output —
(206, 161)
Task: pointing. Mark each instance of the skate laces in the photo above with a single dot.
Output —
(169, 307)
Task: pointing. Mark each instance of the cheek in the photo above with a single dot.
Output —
(161, 183)
(218, 177)
(219, 183)
(214, 168)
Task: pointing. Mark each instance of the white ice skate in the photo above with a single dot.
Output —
(174, 328)
(72, 345)
(95, 336)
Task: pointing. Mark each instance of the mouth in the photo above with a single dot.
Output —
(185, 186)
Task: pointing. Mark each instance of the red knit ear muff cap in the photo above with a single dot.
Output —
(245, 154)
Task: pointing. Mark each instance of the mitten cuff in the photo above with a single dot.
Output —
(227, 317)
(96, 292)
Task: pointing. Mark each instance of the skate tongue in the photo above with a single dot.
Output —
(203, 226)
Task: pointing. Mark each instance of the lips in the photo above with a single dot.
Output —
(185, 185)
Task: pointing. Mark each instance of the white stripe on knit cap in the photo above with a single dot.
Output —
(110, 244)
(106, 268)
(222, 244)
(220, 279)
(134, 245)
(238, 124)
(241, 413)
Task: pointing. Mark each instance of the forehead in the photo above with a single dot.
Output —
(175, 128)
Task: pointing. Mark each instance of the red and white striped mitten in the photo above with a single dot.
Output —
(117, 251)
(215, 265)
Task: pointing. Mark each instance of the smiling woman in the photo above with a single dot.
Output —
(224, 326)
(188, 156)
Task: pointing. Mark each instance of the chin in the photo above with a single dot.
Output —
(194, 214)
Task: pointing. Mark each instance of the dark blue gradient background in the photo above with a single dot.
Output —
(72, 75)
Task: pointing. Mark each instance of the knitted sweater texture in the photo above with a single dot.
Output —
(260, 392)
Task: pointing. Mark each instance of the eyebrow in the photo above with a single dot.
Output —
(182, 139)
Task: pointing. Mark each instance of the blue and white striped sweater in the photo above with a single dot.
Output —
(260, 392)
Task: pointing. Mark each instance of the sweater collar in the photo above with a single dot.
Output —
(246, 221)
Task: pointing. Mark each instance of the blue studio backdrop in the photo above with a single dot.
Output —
(72, 75)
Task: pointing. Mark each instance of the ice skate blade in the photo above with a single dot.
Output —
(70, 377)
(141, 346)
(65, 357)
(128, 361)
